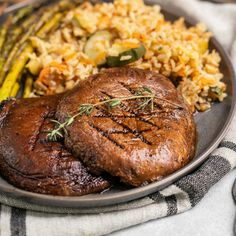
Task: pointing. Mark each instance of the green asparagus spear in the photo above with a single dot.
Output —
(17, 32)
(16, 24)
(4, 29)
(14, 31)
(2, 37)
(13, 36)
(10, 57)
(20, 63)
(15, 71)
(46, 28)
(46, 25)
(11, 39)
(21, 14)
(28, 86)
(13, 20)
(15, 90)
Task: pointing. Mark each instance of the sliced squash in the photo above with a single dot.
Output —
(126, 57)
(96, 46)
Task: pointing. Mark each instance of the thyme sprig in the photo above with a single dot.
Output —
(145, 96)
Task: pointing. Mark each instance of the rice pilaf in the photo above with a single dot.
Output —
(172, 49)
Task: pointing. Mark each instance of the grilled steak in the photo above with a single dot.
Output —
(137, 145)
(29, 161)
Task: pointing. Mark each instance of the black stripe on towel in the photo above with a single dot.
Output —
(199, 182)
(18, 226)
(229, 145)
(171, 202)
(157, 197)
(171, 205)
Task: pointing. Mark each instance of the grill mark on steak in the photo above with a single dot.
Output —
(136, 133)
(106, 135)
(127, 131)
(157, 114)
(119, 116)
(149, 122)
(157, 105)
(34, 139)
(119, 132)
(140, 118)
(133, 92)
(133, 113)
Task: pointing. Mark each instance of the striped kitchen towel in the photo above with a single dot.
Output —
(177, 198)
(20, 218)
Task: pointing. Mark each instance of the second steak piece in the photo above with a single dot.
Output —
(30, 161)
(137, 145)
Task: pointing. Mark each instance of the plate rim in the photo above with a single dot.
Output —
(91, 200)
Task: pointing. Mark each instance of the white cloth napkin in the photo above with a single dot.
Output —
(177, 198)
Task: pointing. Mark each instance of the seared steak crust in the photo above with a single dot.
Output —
(29, 161)
(139, 146)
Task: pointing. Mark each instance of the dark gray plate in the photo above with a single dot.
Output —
(211, 125)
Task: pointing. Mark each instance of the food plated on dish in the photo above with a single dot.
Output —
(129, 123)
(110, 93)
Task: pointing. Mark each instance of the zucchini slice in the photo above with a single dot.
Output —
(126, 57)
(95, 53)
